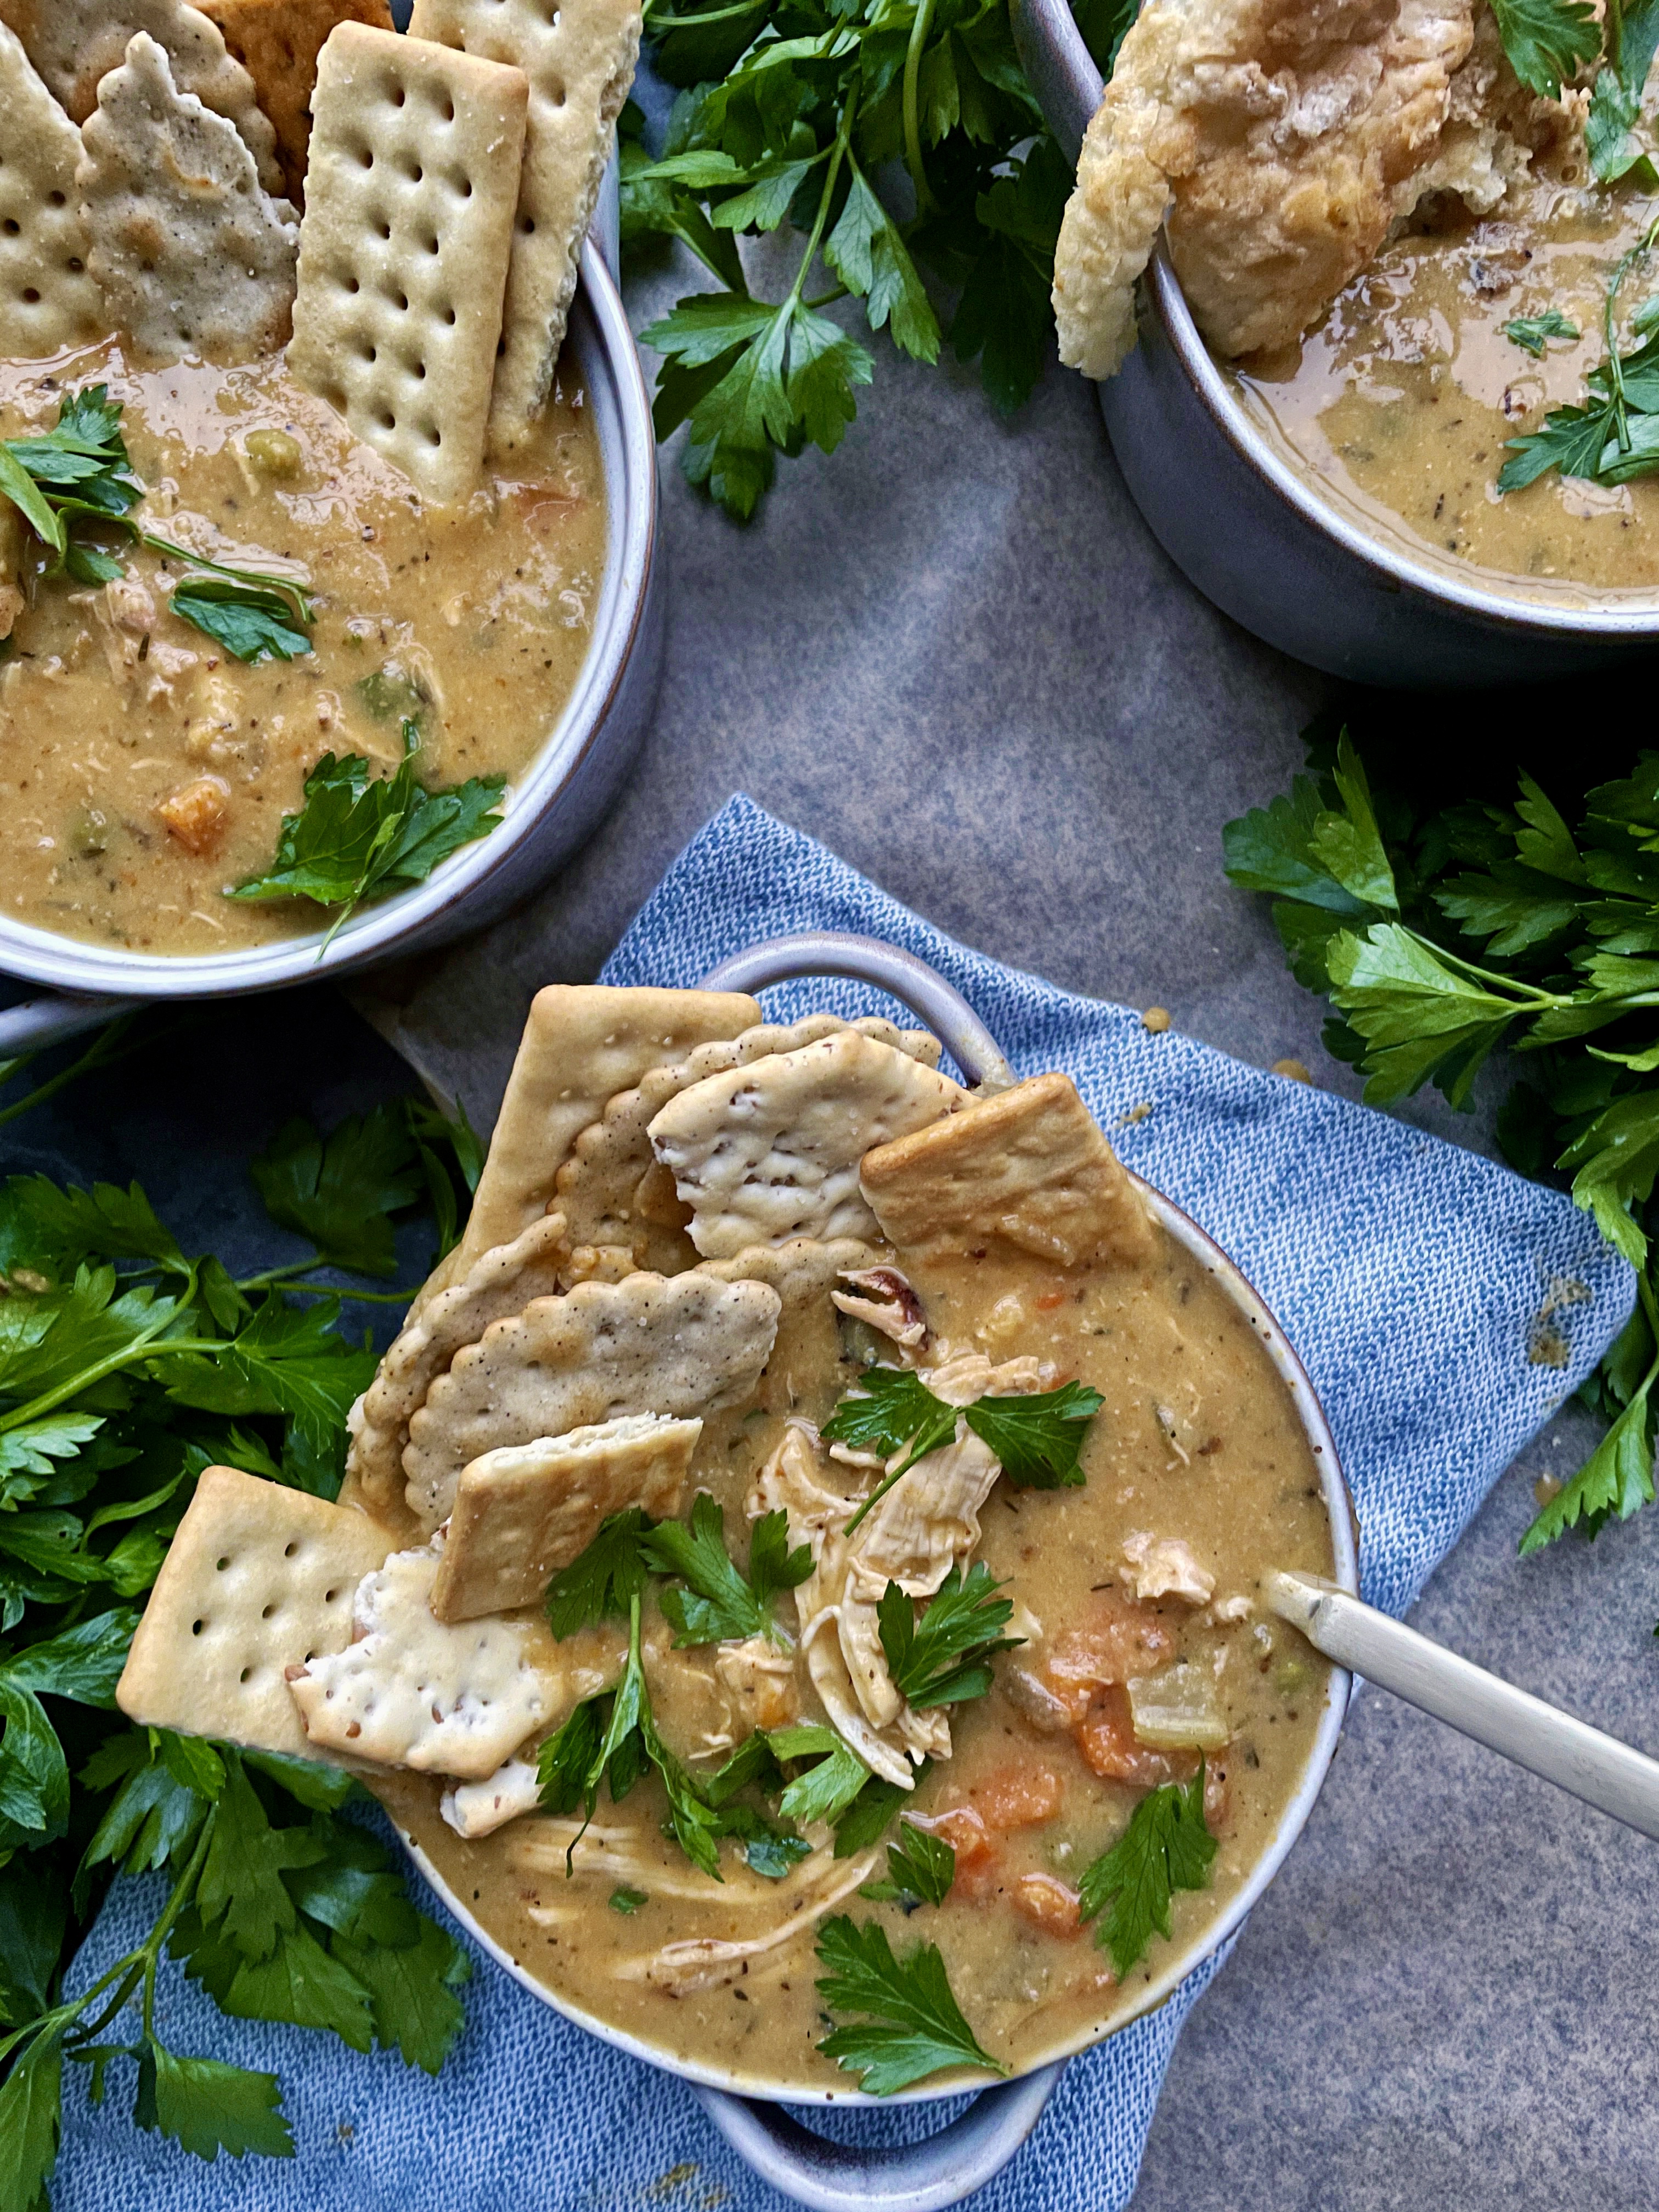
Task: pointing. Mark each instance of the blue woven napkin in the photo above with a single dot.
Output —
(1406, 1272)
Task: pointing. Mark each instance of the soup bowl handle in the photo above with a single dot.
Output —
(868, 960)
(833, 2177)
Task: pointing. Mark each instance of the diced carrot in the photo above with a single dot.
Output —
(1016, 1797)
(978, 1879)
(1118, 1639)
(962, 1828)
(195, 813)
(1048, 1904)
(1106, 1738)
(1049, 1301)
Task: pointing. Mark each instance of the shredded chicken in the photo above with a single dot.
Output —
(1162, 1566)
(709, 1962)
(478, 1808)
(892, 1306)
(1282, 143)
(759, 1682)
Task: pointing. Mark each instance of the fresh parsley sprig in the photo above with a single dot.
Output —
(1614, 436)
(944, 1657)
(793, 112)
(1166, 1847)
(920, 1868)
(127, 1366)
(79, 475)
(603, 1581)
(359, 836)
(1373, 898)
(1532, 333)
(1631, 39)
(914, 2026)
(714, 1602)
(1038, 1436)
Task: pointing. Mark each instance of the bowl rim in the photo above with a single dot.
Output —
(1164, 1985)
(604, 343)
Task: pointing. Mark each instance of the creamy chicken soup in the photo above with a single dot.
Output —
(1145, 1656)
(1403, 399)
(144, 770)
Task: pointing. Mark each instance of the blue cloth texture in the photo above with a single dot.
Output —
(1409, 1275)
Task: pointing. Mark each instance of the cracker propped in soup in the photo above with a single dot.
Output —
(275, 639)
(876, 1627)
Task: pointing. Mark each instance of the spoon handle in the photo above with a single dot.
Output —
(1576, 1757)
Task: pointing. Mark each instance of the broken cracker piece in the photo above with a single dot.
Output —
(47, 300)
(522, 1513)
(192, 256)
(682, 1345)
(500, 1283)
(408, 1690)
(1028, 1167)
(75, 44)
(277, 42)
(582, 1045)
(258, 1579)
(580, 59)
(478, 1808)
(771, 1152)
(413, 180)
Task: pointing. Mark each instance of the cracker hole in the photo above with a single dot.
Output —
(222, 1564)
(369, 353)
(352, 285)
(431, 244)
(328, 1596)
(290, 1547)
(446, 109)
(383, 229)
(9, 227)
(197, 1626)
(415, 173)
(366, 156)
(55, 199)
(401, 300)
(386, 419)
(417, 370)
(245, 1672)
(449, 316)
(528, 225)
(31, 297)
(431, 433)
(464, 187)
(400, 97)
(265, 1610)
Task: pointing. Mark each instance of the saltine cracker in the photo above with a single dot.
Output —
(75, 44)
(413, 180)
(521, 1514)
(277, 42)
(580, 58)
(192, 255)
(47, 300)
(1027, 1168)
(258, 1578)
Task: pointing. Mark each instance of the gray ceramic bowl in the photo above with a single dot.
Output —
(962, 2157)
(551, 810)
(1261, 536)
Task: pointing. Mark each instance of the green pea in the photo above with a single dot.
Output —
(273, 452)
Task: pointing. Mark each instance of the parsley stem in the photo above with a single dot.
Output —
(660, 22)
(134, 1355)
(926, 203)
(924, 1444)
(101, 1049)
(843, 137)
(826, 299)
(290, 586)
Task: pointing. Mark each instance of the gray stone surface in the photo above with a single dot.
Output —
(952, 652)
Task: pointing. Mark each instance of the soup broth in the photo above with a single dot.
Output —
(1198, 1440)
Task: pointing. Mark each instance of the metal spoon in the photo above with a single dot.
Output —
(1604, 1772)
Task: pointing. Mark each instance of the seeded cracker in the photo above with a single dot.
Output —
(258, 1578)
(277, 42)
(46, 298)
(580, 59)
(75, 44)
(414, 158)
(192, 256)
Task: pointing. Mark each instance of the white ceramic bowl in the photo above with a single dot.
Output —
(962, 2157)
(550, 812)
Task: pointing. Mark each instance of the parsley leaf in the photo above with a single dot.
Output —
(892, 1409)
(1547, 40)
(250, 621)
(1616, 1478)
(920, 1868)
(359, 836)
(1633, 37)
(1038, 1437)
(1530, 332)
(207, 2107)
(871, 1813)
(341, 1193)
(915, 2027)
(719, 1605)
(830, 1785)
(1166, 1847)
(30, 2104)
(944, 1657)
(604, 1579)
